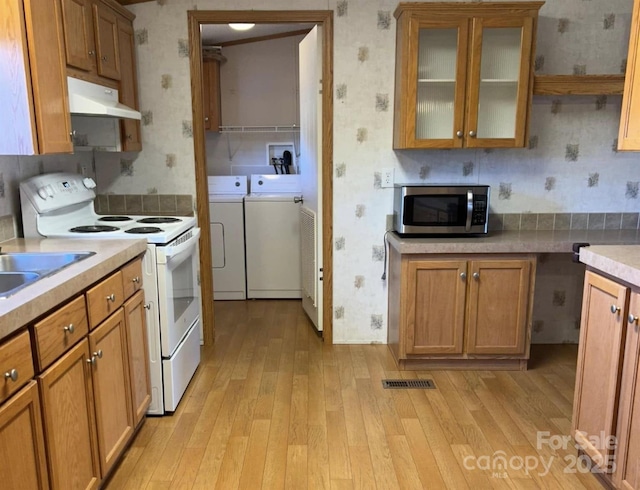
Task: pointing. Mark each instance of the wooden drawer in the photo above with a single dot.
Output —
(104, 298)
(132, 277)
(59, 331)
(15, 354)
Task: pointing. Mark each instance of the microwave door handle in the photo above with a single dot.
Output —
(469, 210)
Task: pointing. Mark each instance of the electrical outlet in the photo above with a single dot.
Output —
(387, 177)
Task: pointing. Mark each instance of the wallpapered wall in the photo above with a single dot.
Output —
(571, 164)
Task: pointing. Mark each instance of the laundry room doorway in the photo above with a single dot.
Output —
(324, 198)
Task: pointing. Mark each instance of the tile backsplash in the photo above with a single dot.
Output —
(149, 204)
(563, 221)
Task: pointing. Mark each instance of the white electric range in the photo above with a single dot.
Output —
(61, 205)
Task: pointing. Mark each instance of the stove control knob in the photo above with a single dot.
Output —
(42, 192)
(88, 182)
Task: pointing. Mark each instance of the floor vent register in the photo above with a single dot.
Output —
(395, 384)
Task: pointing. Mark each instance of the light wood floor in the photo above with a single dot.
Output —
(272, 407)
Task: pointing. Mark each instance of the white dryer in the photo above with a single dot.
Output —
(272, 232)
(226, 214)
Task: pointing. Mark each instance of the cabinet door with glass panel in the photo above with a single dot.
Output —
(463, 74)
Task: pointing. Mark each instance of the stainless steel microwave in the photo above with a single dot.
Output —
(441, 209)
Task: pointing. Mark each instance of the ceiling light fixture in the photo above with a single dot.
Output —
(241, 27)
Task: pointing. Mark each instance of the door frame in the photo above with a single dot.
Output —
(197, 18)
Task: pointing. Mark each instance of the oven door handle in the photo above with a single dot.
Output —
(469, 210)
(186, 245)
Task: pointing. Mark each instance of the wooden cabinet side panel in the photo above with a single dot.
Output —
(395, 306)
(435, 307)
(629, 133)
(111, 389)
(22, 452)
(498, 307)
(138, 355)
(599, 368)
(131, 138)
(48, 75)
(66, 392)
(17, 126)
(627, 472)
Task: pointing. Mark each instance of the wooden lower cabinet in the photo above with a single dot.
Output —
(135, 320)
(460, 311)
(110, 370)
(21, 442)
(66, 392)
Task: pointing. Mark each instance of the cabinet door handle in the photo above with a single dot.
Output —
(136, 279)
(472, 133)
(69, 328)
(459, 134)
(12, 375)
(92, 52)
(104, 58)
(632, 319)
(614, 309)
(98, 354)
(206, 119)
(111, 297)
(476, 276)
(92, 360)
(463, 275)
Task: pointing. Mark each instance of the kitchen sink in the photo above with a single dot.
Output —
(11, 282)
(20, 269)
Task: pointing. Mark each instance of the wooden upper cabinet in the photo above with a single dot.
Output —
(107, 52)
(464, 74)
(629, 135)
(32, 66)
(131, 139)
(211, 86)
(77, 17)
(602, 334)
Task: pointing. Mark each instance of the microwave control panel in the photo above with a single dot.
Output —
(479, 216)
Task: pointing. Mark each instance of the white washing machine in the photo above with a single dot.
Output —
(226, 212)
(272, 233)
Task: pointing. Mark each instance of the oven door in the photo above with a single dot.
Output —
(178, 289)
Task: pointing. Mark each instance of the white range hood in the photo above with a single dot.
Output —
(91, 99)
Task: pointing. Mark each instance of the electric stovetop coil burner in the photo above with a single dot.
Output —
(93, 229)
(115, 218)
(159, 219)
(144, 229)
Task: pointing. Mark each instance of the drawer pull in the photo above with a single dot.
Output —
(69, 328)
(111, 297)
(12, 375)
(136, 280)
(614, 309)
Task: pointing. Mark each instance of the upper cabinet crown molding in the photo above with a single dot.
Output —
(464, 74)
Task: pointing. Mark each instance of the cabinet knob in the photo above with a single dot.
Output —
(69, 328)
(111, 297)
(104, 58)
(129, 137)
(92, 360)
(206, 119)
(12, 375)
(472, 133)
(463, 275)
(98, 354)
(476, 276)
(136, 279)
(614, 309)
(92, 52)
(459, 134)
(632, 319)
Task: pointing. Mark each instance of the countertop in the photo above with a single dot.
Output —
(620, 261)
(26, 305)
(541, 241)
